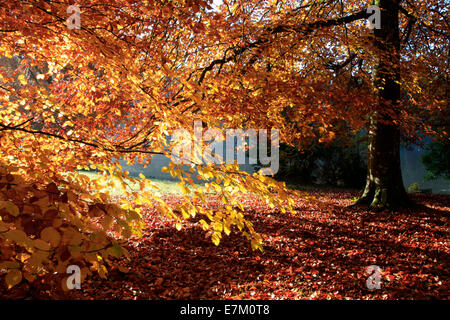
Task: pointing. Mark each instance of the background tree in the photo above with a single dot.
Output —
(317, 63)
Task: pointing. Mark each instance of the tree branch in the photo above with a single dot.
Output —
(304, 29)
(119, 148)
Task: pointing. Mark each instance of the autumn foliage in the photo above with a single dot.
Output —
(135, 71)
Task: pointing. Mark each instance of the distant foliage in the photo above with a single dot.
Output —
(437, 160)
(414, 187)
(340, 164)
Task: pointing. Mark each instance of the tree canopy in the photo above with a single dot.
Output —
(135, 71)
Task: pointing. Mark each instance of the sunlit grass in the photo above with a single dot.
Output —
(164, 186)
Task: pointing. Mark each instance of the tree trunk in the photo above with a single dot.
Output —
(384, 184)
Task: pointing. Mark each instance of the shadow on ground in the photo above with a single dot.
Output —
(313, 254)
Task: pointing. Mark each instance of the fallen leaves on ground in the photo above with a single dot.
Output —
(320, 252)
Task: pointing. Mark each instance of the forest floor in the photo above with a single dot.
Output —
(315, 253)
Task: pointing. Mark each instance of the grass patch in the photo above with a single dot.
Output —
(165, 186)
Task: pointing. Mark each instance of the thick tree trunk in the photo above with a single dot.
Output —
(384, 186)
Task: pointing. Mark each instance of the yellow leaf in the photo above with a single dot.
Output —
(52, 236)
(227, 230)
(13, 277)
(17, 235)
(204, 224)
(185, 190)
(215, 239)
(10, 207)
(102, 271)
(115, 251)
(9, 265)
(41, 244)
(29, 276)
(123, 269)
(107, 222)
(22, 79)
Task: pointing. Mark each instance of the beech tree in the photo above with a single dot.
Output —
(376, 79)
(81, 91)
(84, 89)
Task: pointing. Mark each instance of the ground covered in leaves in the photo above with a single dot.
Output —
(321, 252)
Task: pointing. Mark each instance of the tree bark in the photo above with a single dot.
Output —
(384, 184)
